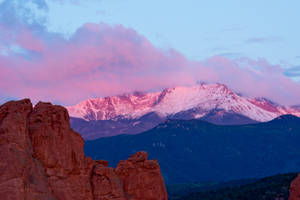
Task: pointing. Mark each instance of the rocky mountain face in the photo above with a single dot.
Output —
(129, 114)
(105, 128)
(43, 158)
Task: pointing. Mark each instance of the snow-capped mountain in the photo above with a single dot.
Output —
(199, 99)
(138, 112)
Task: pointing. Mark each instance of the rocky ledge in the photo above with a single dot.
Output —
(43, 158)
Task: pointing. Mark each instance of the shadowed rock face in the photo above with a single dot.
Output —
(43, 158)
(295, 189)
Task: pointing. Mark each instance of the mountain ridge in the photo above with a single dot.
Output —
(177, 99)
(128, 114)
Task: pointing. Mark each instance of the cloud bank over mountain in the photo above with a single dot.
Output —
(100, 60)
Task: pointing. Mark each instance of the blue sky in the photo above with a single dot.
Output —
(197, 28)
(68, 50)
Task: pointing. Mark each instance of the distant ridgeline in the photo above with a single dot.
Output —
(274, 187)
(197, 151)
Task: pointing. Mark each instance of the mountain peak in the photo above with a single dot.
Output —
(200, 99)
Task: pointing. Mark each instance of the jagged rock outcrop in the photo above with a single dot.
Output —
(43, 158)
(60, 150)
(295, 189)
(141, 178)
(21, 175)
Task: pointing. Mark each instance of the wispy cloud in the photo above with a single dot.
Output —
(293, 71)
(260, 40)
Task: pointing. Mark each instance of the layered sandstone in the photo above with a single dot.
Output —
(43, 158)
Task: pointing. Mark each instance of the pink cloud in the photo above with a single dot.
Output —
(255, 78)
(22, 36)
(27, 40)
(101, 60)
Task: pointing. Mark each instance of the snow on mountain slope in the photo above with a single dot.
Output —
(126, 106)
(203, 98)
(208, 97)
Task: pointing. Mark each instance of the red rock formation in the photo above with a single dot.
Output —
(141, 178)
(106, 184)
(60, 150)
(295, 189)
(21, 175)
(42, 158)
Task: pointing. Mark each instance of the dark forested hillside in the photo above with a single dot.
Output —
(269, 188)
(197, 151)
